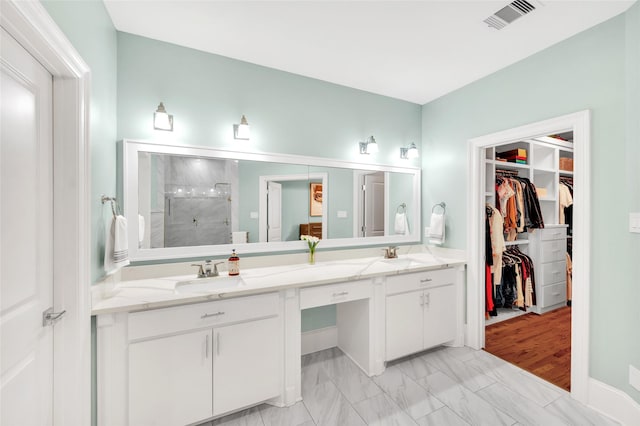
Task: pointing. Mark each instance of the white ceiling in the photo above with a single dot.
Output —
(411, 50)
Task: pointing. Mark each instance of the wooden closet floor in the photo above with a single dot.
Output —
(540, 344)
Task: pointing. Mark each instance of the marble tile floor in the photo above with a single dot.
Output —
(439, 387)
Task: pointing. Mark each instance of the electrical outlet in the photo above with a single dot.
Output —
(253, 215)
(634, 223)
(634, 377)
(342, 214)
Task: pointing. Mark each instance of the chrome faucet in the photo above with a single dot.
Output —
(391, 252)
(211, 272)
(206, 270)
(201, 273)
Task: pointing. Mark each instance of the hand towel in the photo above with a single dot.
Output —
(401, 224)
(116, 250)
(437, 228)
(141, 225)
(240, 237)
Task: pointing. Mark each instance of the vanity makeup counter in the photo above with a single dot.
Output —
(170, 351)
(135, 295)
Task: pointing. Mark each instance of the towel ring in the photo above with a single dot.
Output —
(441, 204)
(402, 206)
(115, 208)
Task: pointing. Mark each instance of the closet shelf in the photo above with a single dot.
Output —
(565, 173)
(507, 165)
(516, 242)
(489, 194)
(546, 199)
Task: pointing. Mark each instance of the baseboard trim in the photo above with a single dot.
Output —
(613, 403)
(320, 339)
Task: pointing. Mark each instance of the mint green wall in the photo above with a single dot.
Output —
(593, 70)
(288, 113)
(632, 169)
(88, 26)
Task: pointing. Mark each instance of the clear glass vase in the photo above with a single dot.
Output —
(312, 258)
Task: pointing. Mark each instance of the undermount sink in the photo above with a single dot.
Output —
(403, 262)
(209, 285)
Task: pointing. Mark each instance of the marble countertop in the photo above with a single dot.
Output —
(136, 295)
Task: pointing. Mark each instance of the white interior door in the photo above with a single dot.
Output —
(374, 205)
(274, 211)
(26, 235)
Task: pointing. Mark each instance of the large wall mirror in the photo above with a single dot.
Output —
(186, 201)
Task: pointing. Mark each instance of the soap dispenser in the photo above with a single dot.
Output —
(234, 264)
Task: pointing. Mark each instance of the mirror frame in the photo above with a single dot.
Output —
(131, 148)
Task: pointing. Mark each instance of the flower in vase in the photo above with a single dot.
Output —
(311, 241)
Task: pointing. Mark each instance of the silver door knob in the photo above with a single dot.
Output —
(49, 317)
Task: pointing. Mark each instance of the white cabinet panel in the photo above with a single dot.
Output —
(157, 322)
(439, 315)
(337, 293)
(404, 324)
(246, 364)
(553, 251)
(554, 272)
(170, 380)
(553, 294)
(417, 281)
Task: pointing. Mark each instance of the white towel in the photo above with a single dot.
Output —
(116, 250)
(436, 228)
(401, 224)
(240, 237)
(141, 225)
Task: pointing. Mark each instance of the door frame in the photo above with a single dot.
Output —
(358, 201)
(262, 198)
(579, 123)
(30, 24)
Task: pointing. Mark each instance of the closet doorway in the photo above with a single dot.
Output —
(529, 210)
(481, 187)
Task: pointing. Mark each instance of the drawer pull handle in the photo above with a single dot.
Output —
(556, 294)
(342, 293)
(426, 280)
(218, 344)
(428, 299)
(422, 300)
(215, 314)
(206, 354)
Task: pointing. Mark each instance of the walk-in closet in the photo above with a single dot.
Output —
(528, 241)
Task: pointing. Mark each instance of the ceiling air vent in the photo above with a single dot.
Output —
(509, 13)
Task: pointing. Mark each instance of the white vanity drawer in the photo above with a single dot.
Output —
(189, 317)
(553, 295)
(553, 251)
(416, 281)
(553, 233)
(335, 293)
(554, 272)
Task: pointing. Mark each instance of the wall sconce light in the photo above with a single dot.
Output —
(242, 130)
(369, 146)
(410, 152)
(162, 120)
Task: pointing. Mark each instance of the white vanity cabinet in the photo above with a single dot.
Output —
(188, 363)
(170, 379)
(246, 364)
(421, 311)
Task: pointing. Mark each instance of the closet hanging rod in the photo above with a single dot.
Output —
(507, 172)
